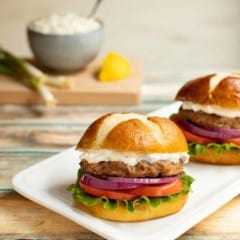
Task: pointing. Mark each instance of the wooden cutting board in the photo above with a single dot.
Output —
(86, 89)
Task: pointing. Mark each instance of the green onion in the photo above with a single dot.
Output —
(31, 76)
(56, 81)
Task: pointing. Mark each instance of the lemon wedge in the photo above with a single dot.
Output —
(115, 67)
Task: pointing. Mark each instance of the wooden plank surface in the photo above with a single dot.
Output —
(85, 90)
(22, 218)
(30, 134)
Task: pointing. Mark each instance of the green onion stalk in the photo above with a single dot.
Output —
(56, 81)
(31, 76)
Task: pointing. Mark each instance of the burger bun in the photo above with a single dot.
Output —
(142, 211)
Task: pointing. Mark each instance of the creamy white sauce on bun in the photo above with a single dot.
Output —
(132, 159)
(211, 109)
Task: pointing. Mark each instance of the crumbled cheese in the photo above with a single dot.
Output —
(64, 24)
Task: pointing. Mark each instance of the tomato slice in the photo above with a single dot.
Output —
(196, 138)
(120, 195)
(205, 140)
(232, 140)
(130, 194)
(192, 137)
(158, 190)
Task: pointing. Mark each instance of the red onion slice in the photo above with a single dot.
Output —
(217, 133)
(118, 183)
(106, 184)
(144, 181)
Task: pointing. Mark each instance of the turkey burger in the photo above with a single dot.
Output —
(131, 168)
(210, 118)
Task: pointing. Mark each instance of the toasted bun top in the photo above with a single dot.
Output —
(130, 132)
(216, 89)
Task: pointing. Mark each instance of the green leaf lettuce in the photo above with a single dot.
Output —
(196, 148)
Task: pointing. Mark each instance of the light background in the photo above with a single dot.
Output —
(165, 35)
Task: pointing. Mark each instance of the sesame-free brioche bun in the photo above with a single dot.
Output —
(219, 89)
(142, 211)
(130, 132)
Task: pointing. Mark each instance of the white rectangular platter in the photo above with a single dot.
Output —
(46, 182)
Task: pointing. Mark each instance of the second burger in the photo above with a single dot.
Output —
(210, 118)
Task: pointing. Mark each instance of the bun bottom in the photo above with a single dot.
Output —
(225, 158)
(142, 211)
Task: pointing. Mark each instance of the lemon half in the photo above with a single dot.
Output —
(115, 67)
